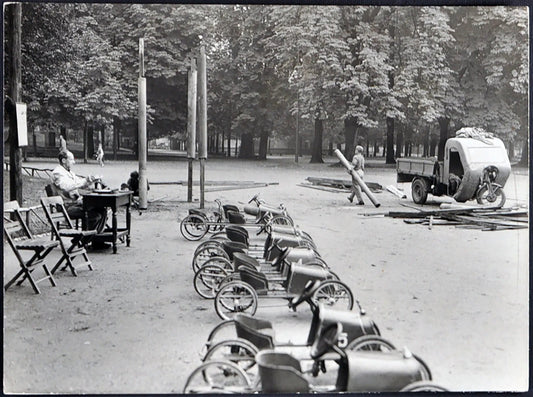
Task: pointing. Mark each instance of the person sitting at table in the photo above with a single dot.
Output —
(67, 184)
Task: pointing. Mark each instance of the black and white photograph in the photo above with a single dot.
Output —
(265, 198)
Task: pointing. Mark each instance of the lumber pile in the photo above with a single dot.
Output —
(337, 185)
(470, 217)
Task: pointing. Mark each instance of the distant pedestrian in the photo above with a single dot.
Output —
(100, 155)
(358, 163)
(62, 144)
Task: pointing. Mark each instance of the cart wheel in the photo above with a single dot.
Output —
(214, 377)
(207, 253)
(334, 293)
(370, 342)
(235, 297)
(423, 386)
(282, 220)
(419, 190)
(206, 280)
(212, 242)
(496, 199)
(238, 351)
(193, 227)
(217, 260)
(225, 330)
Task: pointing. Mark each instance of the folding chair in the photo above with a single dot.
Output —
(19, 237)
(51, 191)
(62, 226)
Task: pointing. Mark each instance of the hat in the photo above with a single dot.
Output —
(359, 149)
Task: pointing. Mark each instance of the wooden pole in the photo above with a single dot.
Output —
(191, 125)
(143, 191)
(202, 120)
(15, 93)
(361, 183)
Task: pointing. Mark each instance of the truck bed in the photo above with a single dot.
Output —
(408, 168)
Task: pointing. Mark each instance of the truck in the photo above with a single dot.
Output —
(475, 166)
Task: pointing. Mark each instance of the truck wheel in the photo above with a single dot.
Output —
(419, 190)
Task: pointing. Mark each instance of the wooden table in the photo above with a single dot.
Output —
(112, 200)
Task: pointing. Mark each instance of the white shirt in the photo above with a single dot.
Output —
(67, 183)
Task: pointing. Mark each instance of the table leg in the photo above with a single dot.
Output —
(128, 225)
(114, 225)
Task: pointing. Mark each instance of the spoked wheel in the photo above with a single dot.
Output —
(334, 293)
(194, 227)
(217, 260)
(371, 342)
(238, 351)
(423, 386)
(235, 297)
(207, 253)
(214, 377)
(495, 198)
(282, 220)
(212, 242)
(206, 280)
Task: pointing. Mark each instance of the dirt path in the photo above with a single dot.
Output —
(456, 297)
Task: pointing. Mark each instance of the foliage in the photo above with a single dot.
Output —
(420, 67)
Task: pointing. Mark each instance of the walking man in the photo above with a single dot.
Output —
(358, 163)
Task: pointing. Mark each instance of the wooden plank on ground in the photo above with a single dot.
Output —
(323, 188)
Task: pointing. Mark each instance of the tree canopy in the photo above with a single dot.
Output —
(396, 75)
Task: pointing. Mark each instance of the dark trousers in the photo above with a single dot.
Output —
(97, 216)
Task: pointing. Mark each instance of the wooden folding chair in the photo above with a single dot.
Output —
(19, 237)
(62, 228)
(51, 191)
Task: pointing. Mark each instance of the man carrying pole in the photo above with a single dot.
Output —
(356, 177)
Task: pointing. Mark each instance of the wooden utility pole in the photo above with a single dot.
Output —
(191, 125)
(202, 120)
(14, 14)
(143, 184)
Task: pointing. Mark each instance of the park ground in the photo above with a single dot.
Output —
(456, 297)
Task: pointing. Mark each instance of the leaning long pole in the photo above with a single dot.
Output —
(357, 178)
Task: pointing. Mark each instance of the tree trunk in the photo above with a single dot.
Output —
(316, 149)
(390, 141)
(247, 146)
(376, 147)
(90, 140)
(101, 137)
(432, 145)
(229, 138)
(116, 126)
(330, 149)
(444, 123)
(399, 141)
(350, 127)
(524, 160)
(85, 135)
(510, 149)
(263, 144)
(426, 144)
(14, 73)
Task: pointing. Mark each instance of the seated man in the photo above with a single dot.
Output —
(67, 184)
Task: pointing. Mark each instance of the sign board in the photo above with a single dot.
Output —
(22, 126)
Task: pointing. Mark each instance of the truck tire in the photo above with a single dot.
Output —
(419, 190)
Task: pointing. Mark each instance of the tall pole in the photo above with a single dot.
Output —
(15, 93)
(202, 120)
(297, 137)
(191, 125)
(143, 191)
